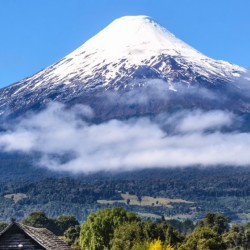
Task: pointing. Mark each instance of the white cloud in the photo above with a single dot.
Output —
(200, 121)
(130, 144)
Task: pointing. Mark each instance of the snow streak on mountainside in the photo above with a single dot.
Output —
(121, 57)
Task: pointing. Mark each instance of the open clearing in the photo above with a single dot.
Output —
(144, 201)
(16, 197)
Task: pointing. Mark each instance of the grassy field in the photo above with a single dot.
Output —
(144, 201)
(16, 197)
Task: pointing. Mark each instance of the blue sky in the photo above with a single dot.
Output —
(37, 33)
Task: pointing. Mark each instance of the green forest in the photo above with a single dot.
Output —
(165, 209)
(119, 229)
(25, 188)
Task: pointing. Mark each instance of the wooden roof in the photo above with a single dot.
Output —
(30, 237)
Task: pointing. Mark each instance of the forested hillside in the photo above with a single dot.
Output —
(217, 190)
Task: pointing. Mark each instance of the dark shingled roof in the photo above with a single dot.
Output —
(38, 238)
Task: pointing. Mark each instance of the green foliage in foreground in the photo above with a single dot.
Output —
(238, 237)
(203, 239)
(3, 225)
(98, 231)
(56, 225)
(118, 229)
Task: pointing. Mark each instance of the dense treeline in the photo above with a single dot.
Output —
(119, 229)
(57, 225)
(218, 190)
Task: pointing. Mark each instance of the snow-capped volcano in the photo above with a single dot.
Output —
(122, 56)
(139, 41)
(125, 45)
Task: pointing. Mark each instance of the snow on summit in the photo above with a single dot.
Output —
(133, 37)
(127, 54)
(129, 43)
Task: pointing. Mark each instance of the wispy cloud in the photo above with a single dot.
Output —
(197, 120)
(56, 132)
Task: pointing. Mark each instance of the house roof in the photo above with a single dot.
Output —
(45, 238)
